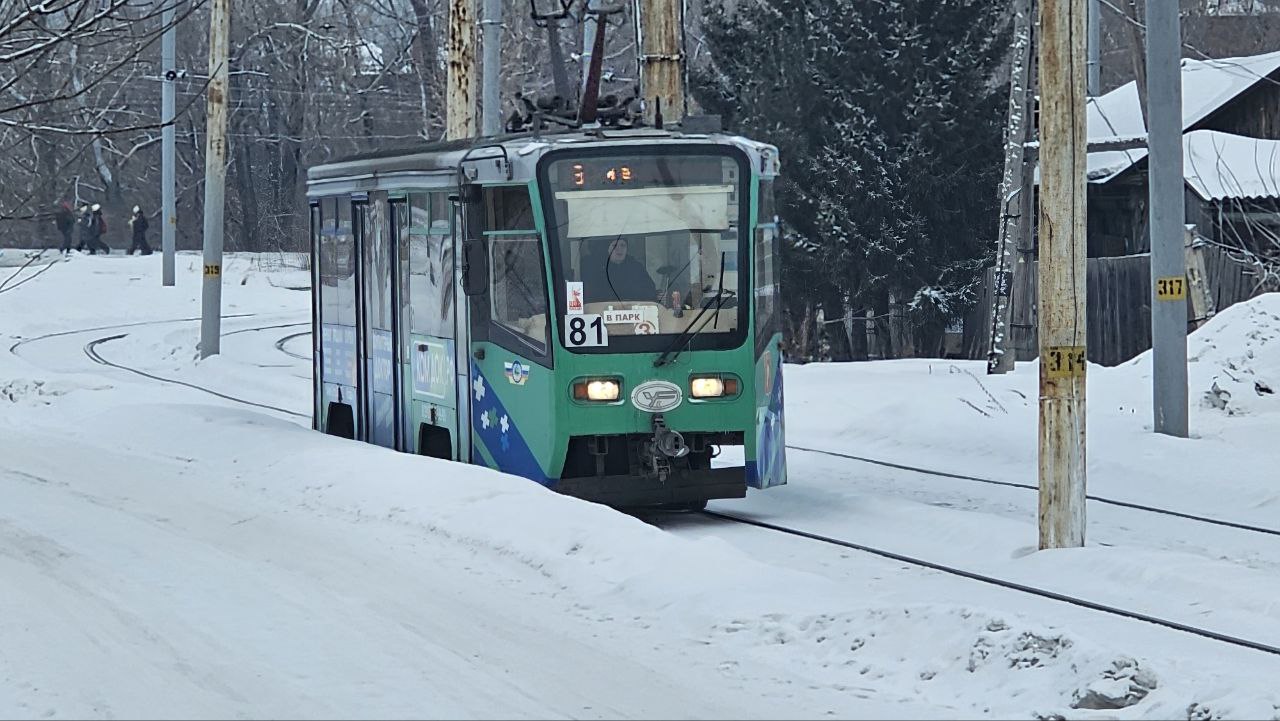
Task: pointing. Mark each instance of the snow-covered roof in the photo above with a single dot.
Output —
(1219, 166)
(1206, 86)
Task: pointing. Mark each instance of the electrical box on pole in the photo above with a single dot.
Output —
(460, 113)
(1062, 273)
(1167, 218)
(215, 176)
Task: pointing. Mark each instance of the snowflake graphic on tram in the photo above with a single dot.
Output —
(592, 310)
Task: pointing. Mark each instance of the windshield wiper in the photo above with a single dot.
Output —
(686, 337)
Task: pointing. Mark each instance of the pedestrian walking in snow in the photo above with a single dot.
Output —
(83, 221)
(138, 224)
(65, 220)
(92, 229)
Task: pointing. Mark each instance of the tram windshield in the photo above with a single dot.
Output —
(646, 243)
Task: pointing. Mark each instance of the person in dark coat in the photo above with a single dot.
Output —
(617, 276)
(83, 221)
(93, 230)
(138, 224)
(65, 220)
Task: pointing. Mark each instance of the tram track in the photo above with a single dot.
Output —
(1001, 583)
(8, 284)
(90, 350)
(280, 345)
(1028, 487)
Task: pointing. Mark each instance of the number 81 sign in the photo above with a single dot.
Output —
(585, 331)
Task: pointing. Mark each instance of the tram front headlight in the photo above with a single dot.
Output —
(713, 386)
(597, 389)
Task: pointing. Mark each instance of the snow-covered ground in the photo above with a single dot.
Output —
(165, 552)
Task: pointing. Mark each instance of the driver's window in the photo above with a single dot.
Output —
(517, 281)
(517, 293)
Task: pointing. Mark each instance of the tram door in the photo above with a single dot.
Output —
(377, 374)
(430, 343)
(339, 398)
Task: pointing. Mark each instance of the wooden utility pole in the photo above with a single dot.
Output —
(1062, 273)
(999, 357)
(662, 60)
(215, 176)
(460, 120)
(1167, 217)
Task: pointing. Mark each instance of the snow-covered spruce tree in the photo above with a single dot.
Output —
(889, 117)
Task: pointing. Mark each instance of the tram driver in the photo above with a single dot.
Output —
(617, 277)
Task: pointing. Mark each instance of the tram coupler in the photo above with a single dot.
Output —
(665, 444)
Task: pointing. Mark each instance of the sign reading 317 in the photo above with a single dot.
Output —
(1171, 288)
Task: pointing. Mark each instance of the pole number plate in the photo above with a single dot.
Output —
(585, 331)
(1063, 361)
(212, 270)
(1171, 288)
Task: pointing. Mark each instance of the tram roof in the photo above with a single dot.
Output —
(446, 156)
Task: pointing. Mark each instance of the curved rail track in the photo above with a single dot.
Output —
(91, 351)
(1003, 583)
(1026, 486)
(9, 284)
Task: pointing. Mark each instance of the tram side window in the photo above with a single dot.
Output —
(345, 265)
(518, 291)
(431, 265)
(328, 260)
(508, 208)
(767, 266)
(517, 280)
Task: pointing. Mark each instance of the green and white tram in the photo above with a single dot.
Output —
(593, 310)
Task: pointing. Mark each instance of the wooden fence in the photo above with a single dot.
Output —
(1118, 304)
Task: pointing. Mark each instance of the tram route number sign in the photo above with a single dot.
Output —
(585, 331)
(1171, 288)
(1064, 361)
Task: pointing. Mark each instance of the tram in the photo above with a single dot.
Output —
(595, 310)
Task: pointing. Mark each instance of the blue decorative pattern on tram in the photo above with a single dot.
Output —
(769, 467)
(495, 429)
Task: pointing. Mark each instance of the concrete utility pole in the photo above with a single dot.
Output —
(999, 358)
(215, 176)
(491, 80)
(168, 149)
(1095, 48)
(662, 72)
(1062, 273)
(460, 121)
(1167, 212)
